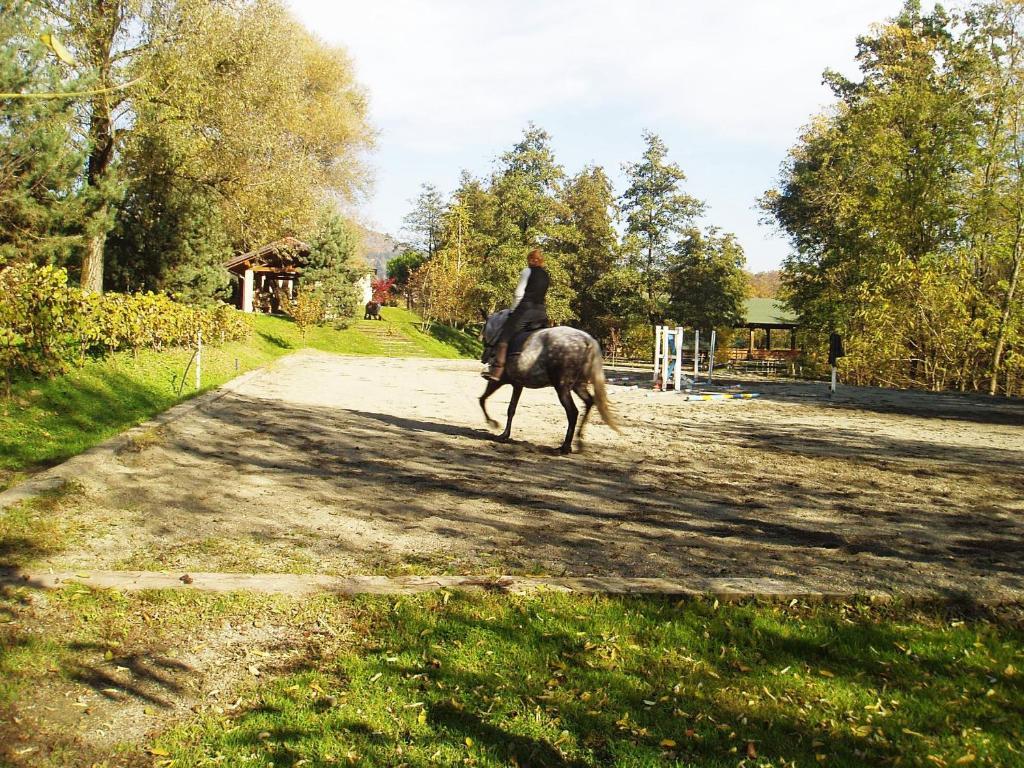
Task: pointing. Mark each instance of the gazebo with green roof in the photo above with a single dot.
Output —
(767, 315)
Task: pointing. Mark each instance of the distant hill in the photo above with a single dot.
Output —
(764, 285)
(378, 249)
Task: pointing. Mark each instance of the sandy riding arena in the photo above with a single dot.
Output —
(351, 465)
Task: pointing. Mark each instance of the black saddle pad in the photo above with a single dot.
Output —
(519, 340)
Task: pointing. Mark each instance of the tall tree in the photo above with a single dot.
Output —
(707, 284)
(105, 38)
(333, 266)
(425, 219)
(657, 214)
(590, 247)
(995, 225)
(873, 198)
(248, 117)
(529, 213)
(38, 163)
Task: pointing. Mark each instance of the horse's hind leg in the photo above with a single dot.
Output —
(588, 402)
(571, 414)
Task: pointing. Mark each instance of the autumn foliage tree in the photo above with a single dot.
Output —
(905, 204)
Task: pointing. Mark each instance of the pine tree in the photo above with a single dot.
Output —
(657, 214)
(38, 163)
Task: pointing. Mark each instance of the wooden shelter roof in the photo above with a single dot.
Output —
(281, 255)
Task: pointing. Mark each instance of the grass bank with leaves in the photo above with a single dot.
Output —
(542, 680)
(592, 681)
(47, 420)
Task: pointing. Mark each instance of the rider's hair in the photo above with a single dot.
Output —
(535, 258)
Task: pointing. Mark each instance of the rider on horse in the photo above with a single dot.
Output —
(528, 311)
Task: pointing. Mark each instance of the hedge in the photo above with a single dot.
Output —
(45, 324)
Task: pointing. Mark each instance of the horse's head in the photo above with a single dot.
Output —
(493, 326)
(492, 331)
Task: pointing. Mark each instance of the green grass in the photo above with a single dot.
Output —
(35, 528)
(49, 420)
(592, 681)
(544, 680)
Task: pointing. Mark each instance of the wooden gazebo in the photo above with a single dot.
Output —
(767, 315)
(263, 275)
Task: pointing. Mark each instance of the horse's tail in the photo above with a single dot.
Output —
(595, 372)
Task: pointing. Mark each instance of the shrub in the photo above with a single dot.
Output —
(38, 312)
(45, 324)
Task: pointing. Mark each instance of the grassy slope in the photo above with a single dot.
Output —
(47, 421)
(595, 681)
(549, 680)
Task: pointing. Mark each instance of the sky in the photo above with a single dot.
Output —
(728, 86)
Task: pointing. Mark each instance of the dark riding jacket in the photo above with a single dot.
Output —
(531, 311)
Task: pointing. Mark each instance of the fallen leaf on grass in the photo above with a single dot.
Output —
(751, 750)
(668, 744)
(968, 758)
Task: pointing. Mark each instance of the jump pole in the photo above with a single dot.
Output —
(664, 358)
(657, 352)
(711, 357)
(696, 354)
(678, 370)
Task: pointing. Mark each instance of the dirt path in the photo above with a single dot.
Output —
(346, 465)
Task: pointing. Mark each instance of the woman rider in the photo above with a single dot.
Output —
(528, 310)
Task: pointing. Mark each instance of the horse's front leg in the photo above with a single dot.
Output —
(492, 387)
(516, 392)
(571, 414)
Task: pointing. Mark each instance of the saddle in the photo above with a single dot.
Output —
(515, 346)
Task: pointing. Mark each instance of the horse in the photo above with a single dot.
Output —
(565, 358)
(372, 311)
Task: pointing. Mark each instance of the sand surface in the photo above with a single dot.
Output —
(346, 465)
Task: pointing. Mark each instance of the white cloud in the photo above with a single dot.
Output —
(454, 81)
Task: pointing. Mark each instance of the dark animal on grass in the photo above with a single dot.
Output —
(372, 311)
(561, 357)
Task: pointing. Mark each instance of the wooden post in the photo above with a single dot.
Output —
(768, 340)
(832, 388)
(199, 358)
(247, 290)
(750, 343)
(696, 354)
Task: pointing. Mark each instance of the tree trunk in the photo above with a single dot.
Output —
(101, 141)
(1004, 322)
(92, 262)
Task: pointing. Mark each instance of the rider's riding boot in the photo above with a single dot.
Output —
(499, 362)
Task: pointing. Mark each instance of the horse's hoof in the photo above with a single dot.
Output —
(565, 449)
(502, 439)
(493, 424)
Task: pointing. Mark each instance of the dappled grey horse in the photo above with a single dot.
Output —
(561, 357)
